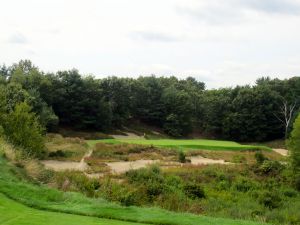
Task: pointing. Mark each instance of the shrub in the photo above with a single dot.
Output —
(271, 167)
(151, 178)
(260, 158)
(23, 130)
(76, 181)
(181, 157)
(58, 153)
(294, 147)
(129, 198)
(270, 199)
(244, 185)
(289, 193)
(194, 191)
(239, 159)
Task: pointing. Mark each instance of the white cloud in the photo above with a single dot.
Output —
(223, 43)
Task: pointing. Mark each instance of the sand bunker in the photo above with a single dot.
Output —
(61, 165)
(128, 136)
(199, 160)
(122, 167)
(280, 151)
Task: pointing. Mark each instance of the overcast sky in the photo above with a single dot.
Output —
(220, 42)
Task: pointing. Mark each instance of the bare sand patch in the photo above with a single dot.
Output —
(128, 136)
(281, 151)
(122, 167)
(62, 165)
(199, 160)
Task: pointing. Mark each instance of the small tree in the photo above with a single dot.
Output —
(294, 148)
(181, 157)
(286, 113)
(21, 127)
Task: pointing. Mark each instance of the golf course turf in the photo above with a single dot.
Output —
(14, 213)
(185, 145)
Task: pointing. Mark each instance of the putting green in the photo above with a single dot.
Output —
(187, 145)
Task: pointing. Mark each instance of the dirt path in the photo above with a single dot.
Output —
(281, 151)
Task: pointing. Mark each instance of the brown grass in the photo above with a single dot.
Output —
(73, 148)
(129, 152)
(236, 157)
(87, 135)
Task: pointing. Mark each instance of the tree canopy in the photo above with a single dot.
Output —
(178, 106)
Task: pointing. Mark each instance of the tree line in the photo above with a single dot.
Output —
(261, 112)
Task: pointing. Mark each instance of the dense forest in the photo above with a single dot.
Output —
(261, 112)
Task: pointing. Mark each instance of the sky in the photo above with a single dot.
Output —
(220, 42)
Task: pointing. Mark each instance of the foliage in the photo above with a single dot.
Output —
(176, 106)
(194, 191)
(271, 167)
(22, 128)
(294, 147)
(260, 158)
(270, 199)
(181, 157)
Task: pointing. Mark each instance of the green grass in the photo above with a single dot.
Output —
(14, 213)
(45, 202)
(186, 145)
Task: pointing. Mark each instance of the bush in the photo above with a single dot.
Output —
(244, 185)
(150, 178)
(58, 153)
(128, 199)
(271, 167)
(270, 199)
(181, 157)
(294, 147)
(194, 191)
(260, 158)
(239, 159)
(76, 181)
(22, 129)
(289, 193)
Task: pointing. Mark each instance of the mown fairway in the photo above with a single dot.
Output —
(13, 213)
(192, 144)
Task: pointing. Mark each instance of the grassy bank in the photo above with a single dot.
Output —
(14, 185)
(186, 145)
(14, 213)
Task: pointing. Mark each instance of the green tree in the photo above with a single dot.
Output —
(251, 116)
(178, 104)
(294, 148)
(22, 128)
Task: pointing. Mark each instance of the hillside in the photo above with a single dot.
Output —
(14, 185)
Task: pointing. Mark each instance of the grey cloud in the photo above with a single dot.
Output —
(233, 11)
(213, 14)
(153, 36)
(17, 38)
(272, 6)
